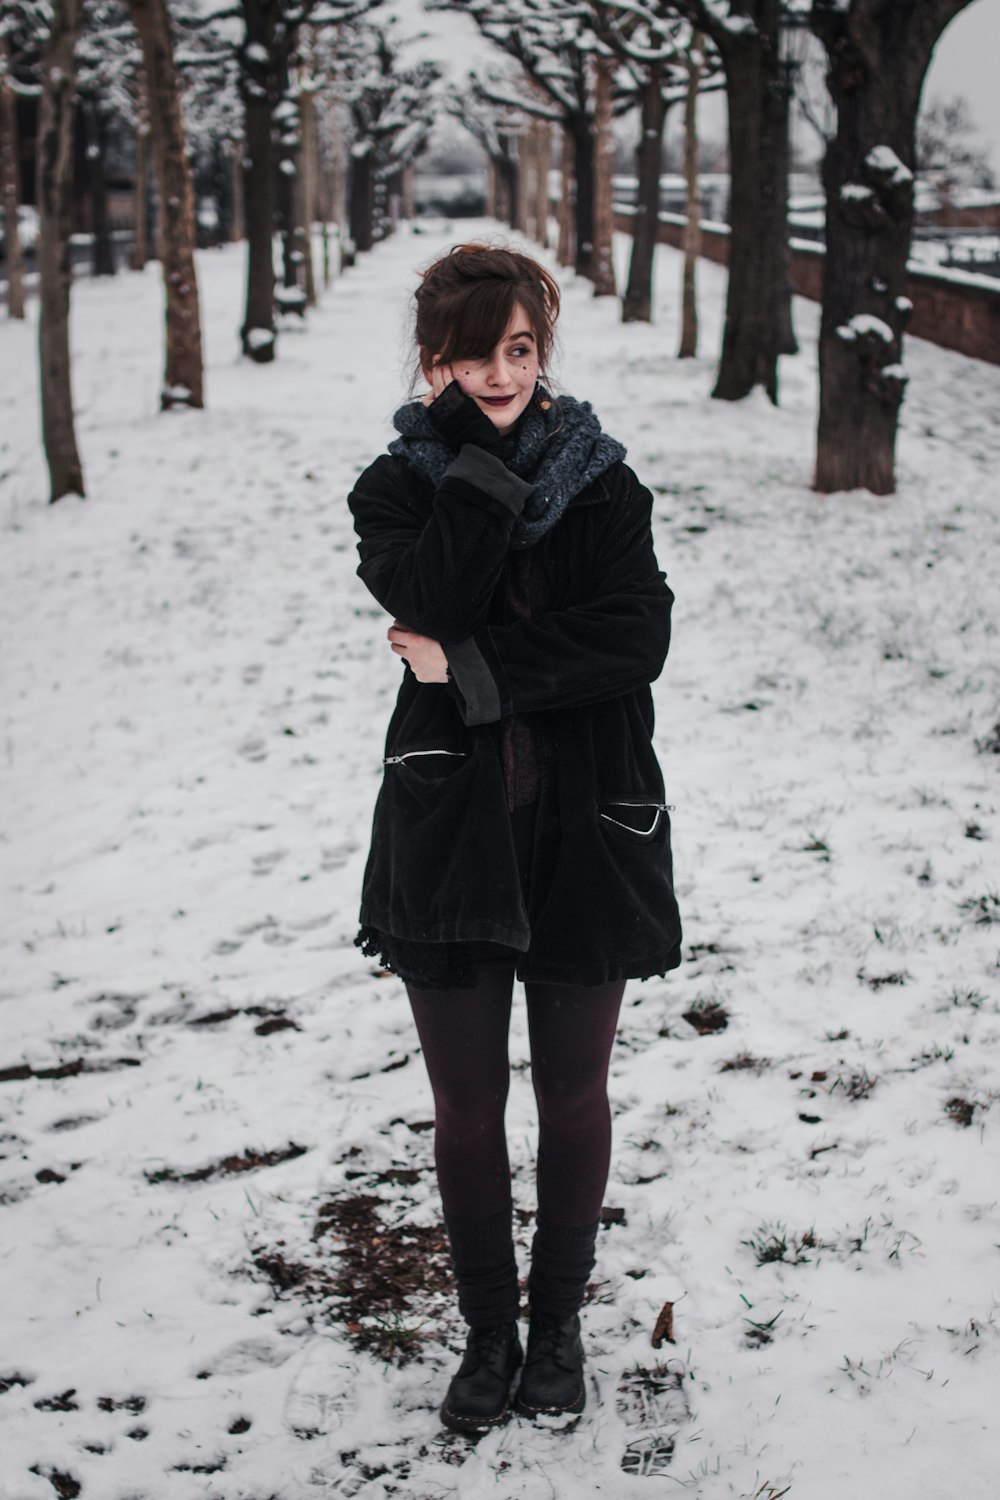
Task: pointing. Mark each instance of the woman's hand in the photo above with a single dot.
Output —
(427, 661)
(439, 376)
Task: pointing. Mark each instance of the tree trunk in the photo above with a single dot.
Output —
(258, 90)
(238, 229)
(581, 129)
(878, 59)
(604, 159)
(307, 187)
(338, 163)
(184, 374)
(565, 254)
(362, 194)
(257, 333)
(140, 193)
(509, 178)
(522, 147)
(103, 252)
(290, 252)
(758, 116)
(637, 304)
(543, 162)
(10, 171)
(692, 226)
(289, 167)
(54, 191)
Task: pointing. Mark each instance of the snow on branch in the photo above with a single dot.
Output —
(865, 326)
(883, 162)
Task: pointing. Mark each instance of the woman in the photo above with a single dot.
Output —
(521, 826)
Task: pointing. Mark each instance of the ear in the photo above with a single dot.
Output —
(426, 364)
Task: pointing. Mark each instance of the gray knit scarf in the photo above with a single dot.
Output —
(559, 448)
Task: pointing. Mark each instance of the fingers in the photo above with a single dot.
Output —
(440, 376)
(401, 638)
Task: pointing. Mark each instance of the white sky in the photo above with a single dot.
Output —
(964, 62)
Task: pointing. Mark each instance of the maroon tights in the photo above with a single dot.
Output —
(463, 1034)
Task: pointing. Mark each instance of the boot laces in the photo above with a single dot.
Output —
(488, 1343)
(551, 1339)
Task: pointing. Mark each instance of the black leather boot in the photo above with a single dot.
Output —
(552, 1379)
(478, 1397)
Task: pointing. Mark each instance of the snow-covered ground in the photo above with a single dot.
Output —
(195, 687)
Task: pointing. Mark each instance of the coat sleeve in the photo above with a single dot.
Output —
(615, 643)
(436, 573)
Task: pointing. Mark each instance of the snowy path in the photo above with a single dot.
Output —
(194, 692)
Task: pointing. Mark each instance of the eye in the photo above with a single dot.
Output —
(521, 351)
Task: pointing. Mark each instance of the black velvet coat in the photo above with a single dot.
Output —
(442, 866)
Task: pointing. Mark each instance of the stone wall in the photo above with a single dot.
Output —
(953, 309)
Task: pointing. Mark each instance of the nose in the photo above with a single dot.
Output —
(496, 370)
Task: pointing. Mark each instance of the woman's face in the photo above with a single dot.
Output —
(503, 383)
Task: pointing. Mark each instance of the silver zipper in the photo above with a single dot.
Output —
(643, 833)
(397, 760)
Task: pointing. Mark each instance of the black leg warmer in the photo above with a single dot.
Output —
(482, 1252)
(562, 1259)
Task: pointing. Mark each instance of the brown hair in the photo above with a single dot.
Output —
(466, 299)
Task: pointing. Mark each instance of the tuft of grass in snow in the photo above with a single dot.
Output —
(65, 1486)
(772, 1242)
(963, 999)
(879, 981)
(859, 1085)
(745, 1062)
(990, 742)
(390, 1339)
(962, 1110)
(985, 909)
(759, 1334)
(707, 1016)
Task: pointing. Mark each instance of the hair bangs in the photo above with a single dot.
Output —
(476, 321)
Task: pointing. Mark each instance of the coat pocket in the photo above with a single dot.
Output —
(433, 764)
(637, 818)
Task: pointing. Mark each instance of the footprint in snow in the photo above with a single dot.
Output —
(317, 1393)
(336, 857)
(246, 1356)
(263, 864)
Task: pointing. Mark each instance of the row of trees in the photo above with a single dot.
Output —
(279, 85)
(310, 101)
(587, 61)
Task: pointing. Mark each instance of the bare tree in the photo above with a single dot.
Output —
(183, 382)
(878, 57)
(140, 193)
(544, 37)
(54, 186)
(758, 88)
(648, 38)
(10, 173)
(604, 147)
(107, 65)
(565, 252)
(391, 112)
(694, 63)
(499, 128)
(306, 202)
(542, 154)
(946, 144)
